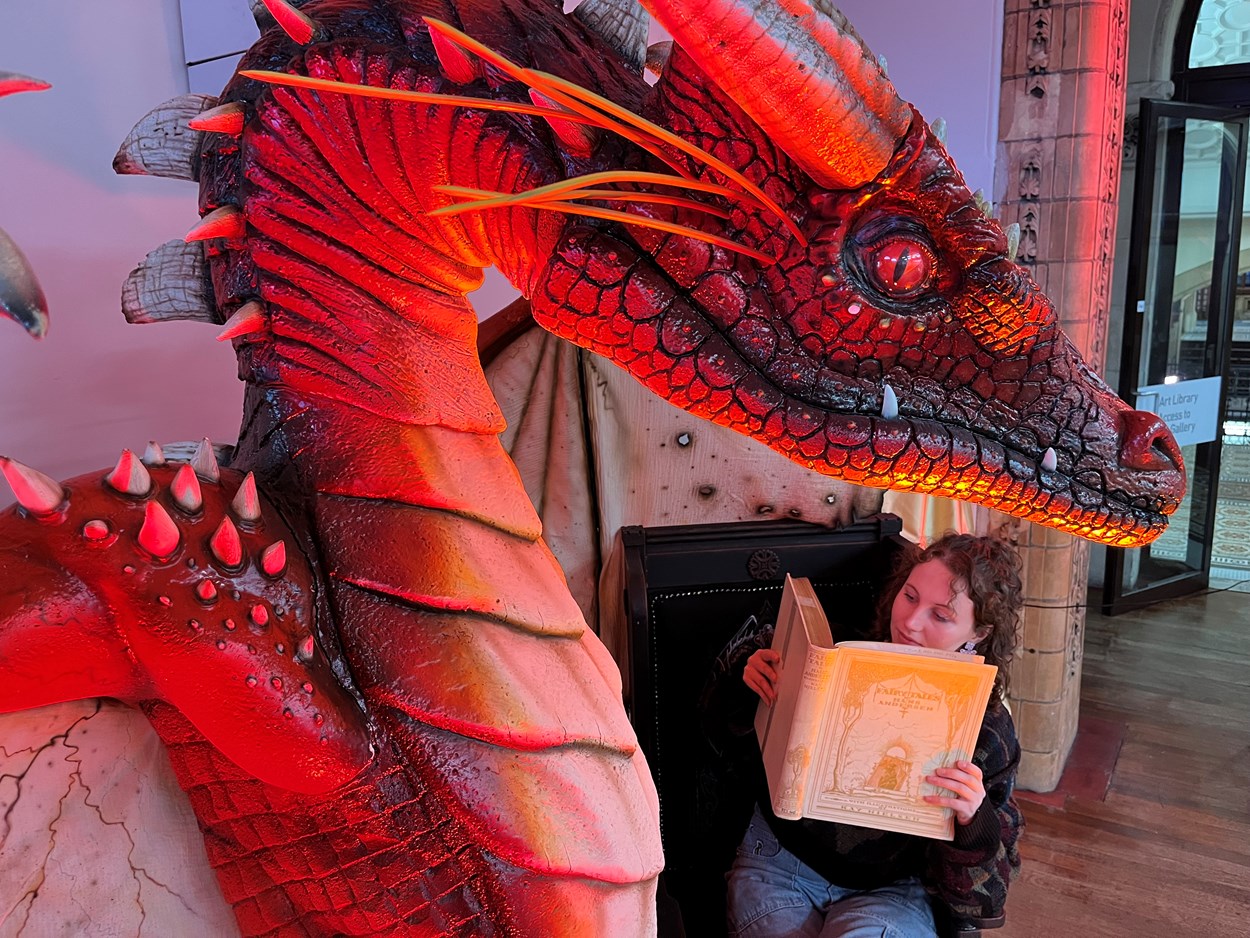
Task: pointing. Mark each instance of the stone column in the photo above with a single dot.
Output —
(1061, 120)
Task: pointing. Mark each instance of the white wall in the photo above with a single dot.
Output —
(945, 58)
(95, 384)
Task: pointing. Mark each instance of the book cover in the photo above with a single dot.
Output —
(858, 725)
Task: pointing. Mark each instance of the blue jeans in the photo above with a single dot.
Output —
(773, 894)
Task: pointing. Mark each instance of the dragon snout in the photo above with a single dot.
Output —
(1147, 444)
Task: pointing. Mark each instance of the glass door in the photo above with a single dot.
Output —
(1183, 253)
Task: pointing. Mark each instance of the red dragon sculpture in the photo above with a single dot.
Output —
(385, 708)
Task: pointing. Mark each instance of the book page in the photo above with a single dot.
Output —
(891, 720)
(788, 730)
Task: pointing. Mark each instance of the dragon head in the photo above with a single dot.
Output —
(878, 330)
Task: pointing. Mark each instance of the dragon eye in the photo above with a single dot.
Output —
(902, 267)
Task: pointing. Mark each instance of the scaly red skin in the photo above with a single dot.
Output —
(368, 420)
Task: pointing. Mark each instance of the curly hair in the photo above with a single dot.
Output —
(987, 570)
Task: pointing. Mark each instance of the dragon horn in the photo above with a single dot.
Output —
(801, 72)
(21, 298)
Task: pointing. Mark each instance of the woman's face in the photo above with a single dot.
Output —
(928, 612)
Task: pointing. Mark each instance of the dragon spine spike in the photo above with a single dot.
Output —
(159, 145)
(170, 283)
(159, 535)
(1013, 240)
(246, 504)
(153, 455)
(13, 83)
(803, 74)
(622, 24)
(224, 222)
(883, 65)
(21, 297)
(36, 492)
(658, 54)
(185, 489)
(226, 545)
(938, 129)
(223, 119)
(273, 559)
(889, 403)
(246, 320)
(979, 198)
(299, 26)
(456, 65)
(206, 592)
(204, 462)
(129, 477)
(1050, 462)
(579, 139)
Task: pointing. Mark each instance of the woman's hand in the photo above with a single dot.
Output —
(963, 780)
(761, 674)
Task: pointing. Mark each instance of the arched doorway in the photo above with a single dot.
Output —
(1186, 341)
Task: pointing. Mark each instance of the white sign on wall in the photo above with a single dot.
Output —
(1189, 408)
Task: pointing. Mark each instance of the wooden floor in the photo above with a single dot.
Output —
(1156, 841)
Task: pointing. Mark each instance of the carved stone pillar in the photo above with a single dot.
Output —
(1060, 125)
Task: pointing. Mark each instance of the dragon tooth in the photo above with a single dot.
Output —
(186, 490)
(453, 60)
(226, 544)
(246, 320)
(159, 535)
(224, 222)
(273, 558)
(889, 403)
(129, 477)
(1050, 462)
(223, 119)
(37, 493)
(246, 504)
(204, 462)
(299, 26)
(153, 455)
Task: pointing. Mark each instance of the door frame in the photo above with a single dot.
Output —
(1115, 599)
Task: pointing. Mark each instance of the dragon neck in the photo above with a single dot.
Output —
(364, 293)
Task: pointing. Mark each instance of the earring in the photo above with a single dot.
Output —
(969, 648)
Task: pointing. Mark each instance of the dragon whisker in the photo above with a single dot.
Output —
(628, 218)
(580, 100)
(608, 176)
(413, 97)
(604, 195)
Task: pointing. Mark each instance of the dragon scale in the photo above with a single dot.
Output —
(384, 706)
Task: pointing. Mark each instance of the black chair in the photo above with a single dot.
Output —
(688, 590)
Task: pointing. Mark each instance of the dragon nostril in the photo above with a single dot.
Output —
(1147, 444)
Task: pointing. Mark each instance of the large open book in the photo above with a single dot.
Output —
(858, 725)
